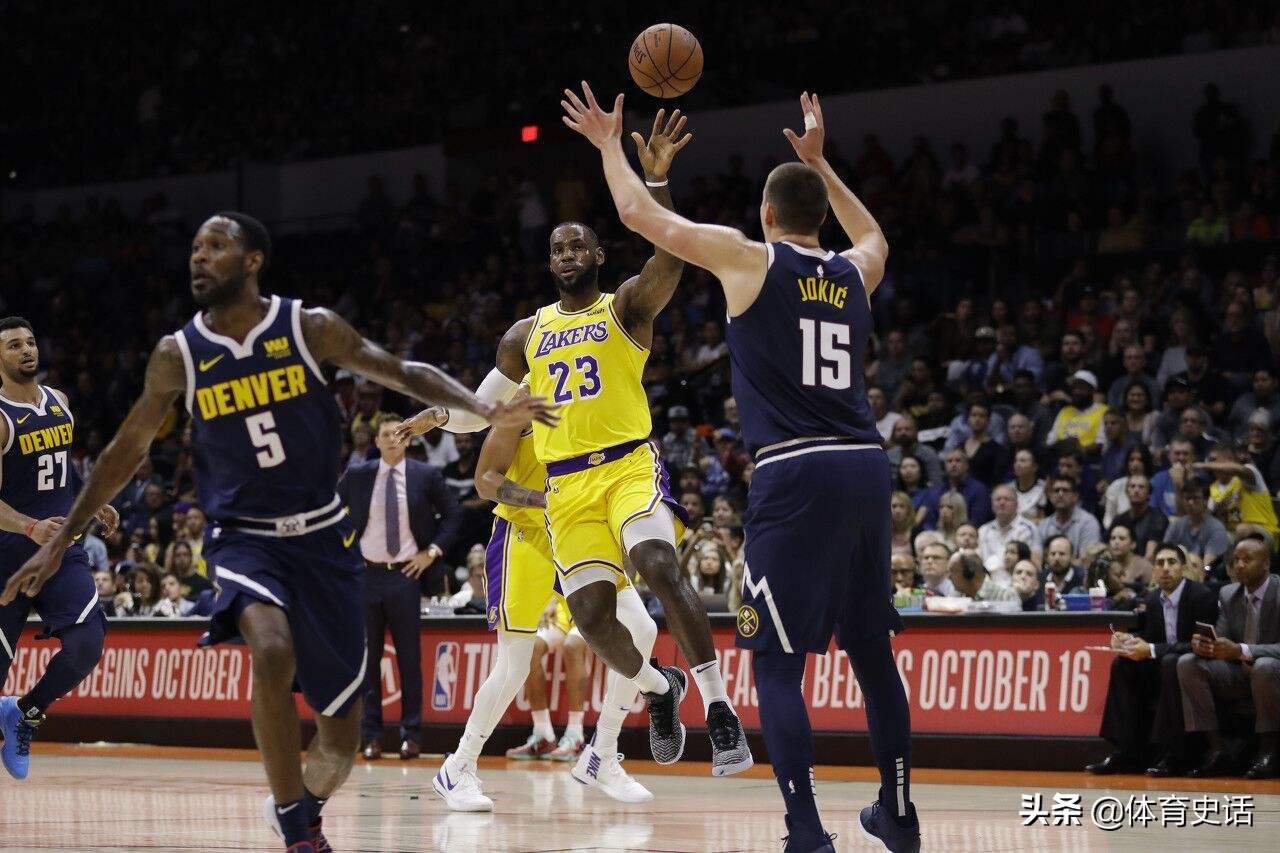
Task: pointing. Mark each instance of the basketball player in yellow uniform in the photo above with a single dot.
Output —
(607, 496)
(520, 580)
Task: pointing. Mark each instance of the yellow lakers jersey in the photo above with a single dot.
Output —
(586, 363)
(527, 471)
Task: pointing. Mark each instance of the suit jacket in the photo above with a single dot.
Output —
(427, 495)
(1231, 618)
(1197, 604)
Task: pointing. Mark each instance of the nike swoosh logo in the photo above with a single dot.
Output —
(448, 783)
(287, 809)
(23, 419)
(208, 363)
(347, 540)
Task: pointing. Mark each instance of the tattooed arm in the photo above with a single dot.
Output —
(496, 456)
(331, 339)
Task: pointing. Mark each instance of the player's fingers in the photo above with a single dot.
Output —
(571, 124)
(675, 131)
(657, 122)
(688, 137)
(817, 109)
(670, 129)
(575, 100)
(571, 110)
(639, 141)
(590, 95)
(617, 105)
(791, 136)
(805, 103)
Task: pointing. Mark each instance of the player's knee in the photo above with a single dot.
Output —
(592, 612)
(82, 646)
(656, 562)
(272, 653)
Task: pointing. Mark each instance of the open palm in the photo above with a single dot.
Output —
(663, 145)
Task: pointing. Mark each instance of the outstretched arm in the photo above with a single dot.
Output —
(496, 455)
(739, 263)
(870, 249)
(164, 381)
(641, 298)
(332, 339)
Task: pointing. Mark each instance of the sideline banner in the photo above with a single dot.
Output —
(1000, 680)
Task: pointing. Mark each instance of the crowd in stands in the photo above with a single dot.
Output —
(1073, 364)
(172, 90)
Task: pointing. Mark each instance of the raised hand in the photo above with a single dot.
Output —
(420, 424)
(809, 147)
(109, 518)
(663, 145)
(519, 412)
(589, 119)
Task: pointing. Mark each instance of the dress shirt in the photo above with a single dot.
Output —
(1169, 601)
(373, 544)
(992, 539)
(1254, 603)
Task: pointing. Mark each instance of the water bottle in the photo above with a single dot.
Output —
(1050, 595)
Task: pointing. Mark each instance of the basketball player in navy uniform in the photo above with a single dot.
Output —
(267, 443)
(817, 525)
(36, 432)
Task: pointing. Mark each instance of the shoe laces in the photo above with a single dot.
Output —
(662, 713)
(23, 733)
(724, 729)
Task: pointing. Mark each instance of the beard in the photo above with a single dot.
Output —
(220, 293)
(585, 281)
(19, 373)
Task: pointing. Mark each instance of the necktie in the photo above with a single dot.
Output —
(392, 513)
(1251, 621)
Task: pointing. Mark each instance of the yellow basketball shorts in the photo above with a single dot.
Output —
(592, 498)
(520, 577)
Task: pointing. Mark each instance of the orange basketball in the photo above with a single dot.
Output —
(665, 60)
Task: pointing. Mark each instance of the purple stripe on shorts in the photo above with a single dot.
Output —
(664, 487)
(493, 565)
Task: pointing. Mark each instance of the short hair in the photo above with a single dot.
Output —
(1178, 551)
(390, 418)
(798, 196)
(1115, 412)
(980, 402)
(1195, 488)
(16, 322)
(253, 234)
(1023, 549)
(586, 229)
(1071, 549)
(1053, 479)
(1025, 374)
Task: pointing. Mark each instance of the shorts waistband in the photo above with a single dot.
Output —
(802, 446)
(593, 459)
(290, 525)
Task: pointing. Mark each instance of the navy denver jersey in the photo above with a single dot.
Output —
(797, 351)
(266, 430)
(36, 476)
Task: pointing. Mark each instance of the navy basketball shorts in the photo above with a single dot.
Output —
(818, 540)
(67, 598)
(318, 580)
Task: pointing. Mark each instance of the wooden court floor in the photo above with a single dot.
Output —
(114, 798)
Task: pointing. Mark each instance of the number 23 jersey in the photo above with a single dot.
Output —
(586, 363)
(797, 352)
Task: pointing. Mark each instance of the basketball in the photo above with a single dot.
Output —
(665, 60)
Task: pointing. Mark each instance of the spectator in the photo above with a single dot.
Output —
(903, 438)
(935, 568)
(1028, 485)
(1026, 583)
(1166, 485)
(1133, 568)
(987, 458)
(1137, 461)
(967, 538)
(952, 514)
(911, 482)
(1135, 371)
(361, 446)
(1026, 402)
(1262, 447)
(1014, 553)
(1197, 531)
(709, 571)
(1112, 463)
(903, 568)
(730, 455)
(143, 592)
(1174, 359)
(1081, 419)
(1238, 493)
(105, 584)
(438, 445)
(1206, 387)
(1146, 524)
(903, 521)
(368, 411)
(894, 363)
(1071, 360)
(1243, 660)
(1007, 526)
(171, 601)
(970, 579)
(1010, 358)
(96, 550)
(153, 507)
(1104, 570)
(1139, 416)
(885, 419)
(193, 528)
(977, 499)
(1061, 568)
(182, 565)
(1240, 352)
(1210, 228)
(1068, 518)
(681, 446)
(1264, 396)
(1177, 397)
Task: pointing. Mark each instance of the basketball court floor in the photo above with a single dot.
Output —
(114, 798)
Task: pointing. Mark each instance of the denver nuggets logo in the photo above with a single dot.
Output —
(748, 621)
(55, 409)
(595, 458)
(277, 347)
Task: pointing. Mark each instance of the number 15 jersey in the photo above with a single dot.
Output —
(266, 432)
(797, 352)
(586, 363)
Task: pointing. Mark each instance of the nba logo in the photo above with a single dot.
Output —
(446, 676)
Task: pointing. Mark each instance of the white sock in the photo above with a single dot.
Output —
(710, 684)
(515, 652)
(574, 727)
(542, 725)
(620, 692)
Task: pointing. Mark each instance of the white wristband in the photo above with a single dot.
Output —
(655, 183)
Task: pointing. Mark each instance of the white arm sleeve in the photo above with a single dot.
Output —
(495, 388)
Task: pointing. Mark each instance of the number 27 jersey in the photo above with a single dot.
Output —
(586, 363)
(797, 352)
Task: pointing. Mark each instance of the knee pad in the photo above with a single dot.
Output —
(632, 614)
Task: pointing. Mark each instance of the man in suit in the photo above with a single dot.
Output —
(1144, 674)
(1243, 662)
(394, 502)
